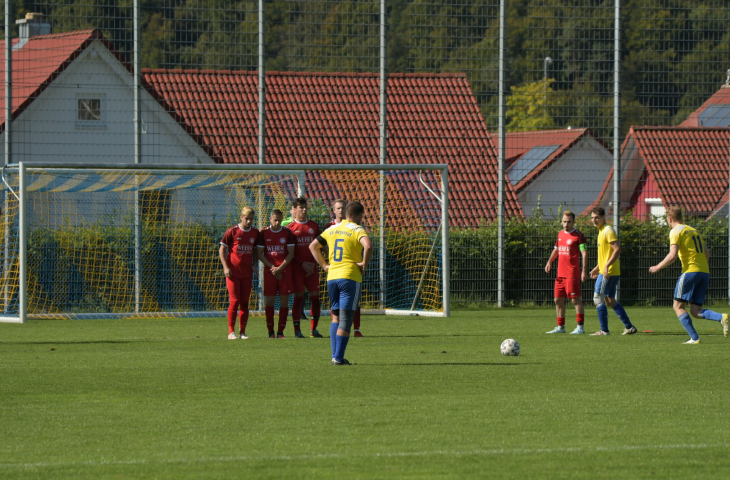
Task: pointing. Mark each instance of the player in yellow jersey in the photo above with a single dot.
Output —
(686, 242)
(607, 274)
(349, 254)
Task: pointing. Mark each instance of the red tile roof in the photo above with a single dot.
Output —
(689, 165)
(39, 62)
(519, 143)
(315, 118)
(721, 97)
(311, 117)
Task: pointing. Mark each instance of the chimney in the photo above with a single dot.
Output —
(33, 24)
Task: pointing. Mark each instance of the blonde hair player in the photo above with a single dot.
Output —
(236, 253)
(686, 243)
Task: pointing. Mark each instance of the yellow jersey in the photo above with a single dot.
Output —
(606, 235)
(345, 251)
(691, 249)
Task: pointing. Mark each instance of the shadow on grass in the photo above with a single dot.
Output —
(445, 364)
(76, 342)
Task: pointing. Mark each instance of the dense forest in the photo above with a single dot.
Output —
(674, 52)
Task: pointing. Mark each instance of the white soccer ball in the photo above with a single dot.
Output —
(510, 348)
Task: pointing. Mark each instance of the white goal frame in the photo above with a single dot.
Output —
(297, 170)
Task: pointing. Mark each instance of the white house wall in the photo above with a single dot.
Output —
(49, 129)
(574, 181)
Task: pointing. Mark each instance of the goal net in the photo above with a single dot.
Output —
(120, 241)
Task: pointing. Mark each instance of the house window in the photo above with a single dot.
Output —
(90, 112)
(89, 109)
(656, 209)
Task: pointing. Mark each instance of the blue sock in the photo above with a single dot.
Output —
(619, 309)
(687, 324)
(603, 317)
(341, 346)
(710, 315)
(333, 337)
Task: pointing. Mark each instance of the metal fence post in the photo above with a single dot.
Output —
(617, 126)
(383, 154)
(501, 150)
(137, 158)
(8, 134)
(262, 132)
(617, 119)
(8, 80)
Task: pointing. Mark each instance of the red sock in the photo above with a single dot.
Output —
(314, 323)
(232, 309)
(316, 307)
(561, 321)
(244, 319)
(580, 318)
(356, 319)
(270, 318)
(296, 312)
(283, 313)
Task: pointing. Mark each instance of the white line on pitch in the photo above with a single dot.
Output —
(491, 452)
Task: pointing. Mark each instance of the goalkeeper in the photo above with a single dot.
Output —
(349, 254)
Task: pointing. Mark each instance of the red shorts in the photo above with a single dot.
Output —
(272, 285)
(239, 290)
(567, 287)
(300, 280)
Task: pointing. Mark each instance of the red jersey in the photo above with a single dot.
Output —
(568, 245)
(275, 244)
(331, 224)
(305, 233)
(240, 245)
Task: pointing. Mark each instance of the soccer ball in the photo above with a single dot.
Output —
(510, 348)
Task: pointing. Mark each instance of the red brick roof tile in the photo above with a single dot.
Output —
(315, 118)
(689, 165)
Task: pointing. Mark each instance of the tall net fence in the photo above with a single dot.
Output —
(620, 106)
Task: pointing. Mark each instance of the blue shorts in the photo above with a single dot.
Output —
(692, 287)
(344, 294)
(607, 288)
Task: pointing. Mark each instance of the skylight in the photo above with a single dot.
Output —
(529, 161)
(715, 116)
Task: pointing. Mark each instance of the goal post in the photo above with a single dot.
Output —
(137, 241)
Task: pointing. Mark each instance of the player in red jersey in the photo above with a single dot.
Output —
(569, 248)
(305, 273)
(275, 249)
(338, 210)
(236, 254)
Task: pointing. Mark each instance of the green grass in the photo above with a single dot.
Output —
(428, 398)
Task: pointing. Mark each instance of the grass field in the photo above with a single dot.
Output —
(427, 398)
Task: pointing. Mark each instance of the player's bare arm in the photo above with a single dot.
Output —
(614, 256)
(262, 258)
(222, 254)
(668, 260)
(308, 268)
(584, 272)
(316, 248)
(549, 264)
(366, 253)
